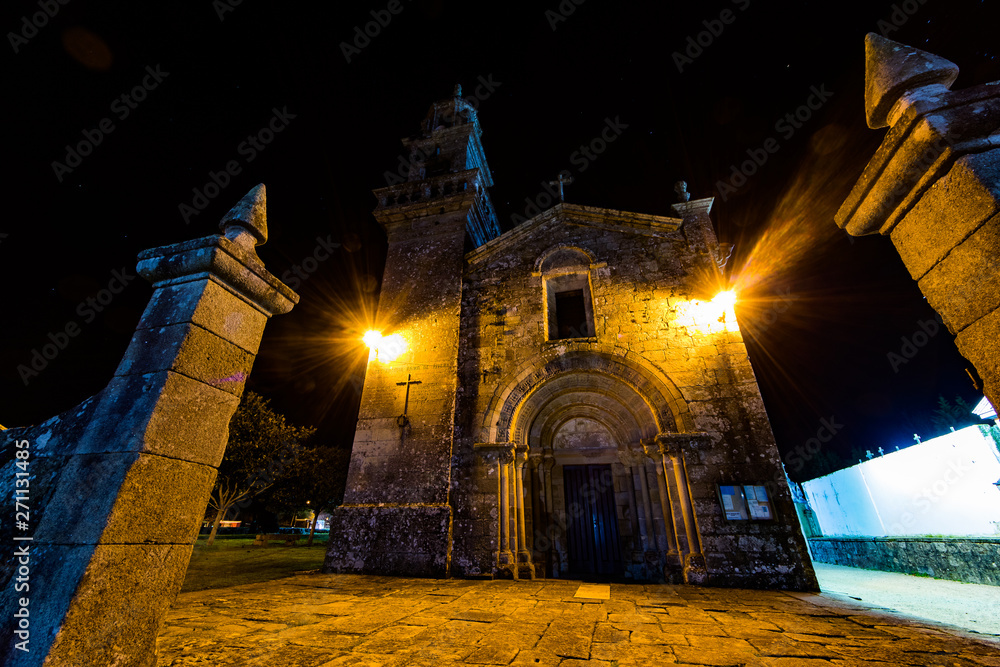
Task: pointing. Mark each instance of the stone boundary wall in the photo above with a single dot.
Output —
(971, 559)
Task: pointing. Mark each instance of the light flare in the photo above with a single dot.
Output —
(709, 317)
(384, 348)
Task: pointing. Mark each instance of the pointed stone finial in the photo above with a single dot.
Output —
(250, 213)
(893, 70)
(458, 90)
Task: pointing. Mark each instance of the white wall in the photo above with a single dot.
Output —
(940, 487)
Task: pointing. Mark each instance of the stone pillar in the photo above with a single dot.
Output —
(502, 455)
(511, 472)
(103, 573)
(525, 568)
(933, 187)
(670, 544)
(490, 499)
(506, 539)
(670, 447)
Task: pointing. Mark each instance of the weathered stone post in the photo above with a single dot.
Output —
(933, 187)
(118, 485)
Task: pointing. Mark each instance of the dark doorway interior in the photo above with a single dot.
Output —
(591, 521)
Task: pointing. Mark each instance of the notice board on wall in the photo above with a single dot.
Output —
(745, 502)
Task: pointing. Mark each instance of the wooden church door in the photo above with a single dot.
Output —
(591, 521)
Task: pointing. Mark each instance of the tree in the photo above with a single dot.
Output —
(953, 415)
(262, 448)
(315, 481)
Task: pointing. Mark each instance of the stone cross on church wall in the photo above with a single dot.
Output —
(403, 420)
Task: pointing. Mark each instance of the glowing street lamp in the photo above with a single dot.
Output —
(708, 317)
(384, 348)
(725, 300)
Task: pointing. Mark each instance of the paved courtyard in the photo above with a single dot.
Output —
(327, 620)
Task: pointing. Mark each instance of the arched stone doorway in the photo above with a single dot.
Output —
(586, 496)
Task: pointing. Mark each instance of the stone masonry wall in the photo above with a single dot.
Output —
(972, 560)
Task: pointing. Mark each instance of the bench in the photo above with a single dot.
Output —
(289, 539)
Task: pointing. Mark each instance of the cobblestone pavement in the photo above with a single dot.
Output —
(326, 620)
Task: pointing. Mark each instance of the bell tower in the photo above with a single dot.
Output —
(396, 517)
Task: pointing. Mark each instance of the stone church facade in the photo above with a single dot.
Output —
(569, 403)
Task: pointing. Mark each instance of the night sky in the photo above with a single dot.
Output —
(820, 312)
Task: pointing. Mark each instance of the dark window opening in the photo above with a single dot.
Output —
(571, 315)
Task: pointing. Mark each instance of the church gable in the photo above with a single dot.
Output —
(562, 217)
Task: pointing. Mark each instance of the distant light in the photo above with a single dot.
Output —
(725, 300)
(372, 339)
(384, 348)
(709, 317)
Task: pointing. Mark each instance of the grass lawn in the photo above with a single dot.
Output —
(231, 562)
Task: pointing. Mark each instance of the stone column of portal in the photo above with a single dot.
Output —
(512, 507)
(507, 558)
(933, 187)
(525, 569)
(671, 546)
(671, 447)
(120, 482)
(491, 483)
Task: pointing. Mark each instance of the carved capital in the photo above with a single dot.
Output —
(521, 454)
(675, 444)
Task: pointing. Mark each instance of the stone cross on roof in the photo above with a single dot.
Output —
(563, 180)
